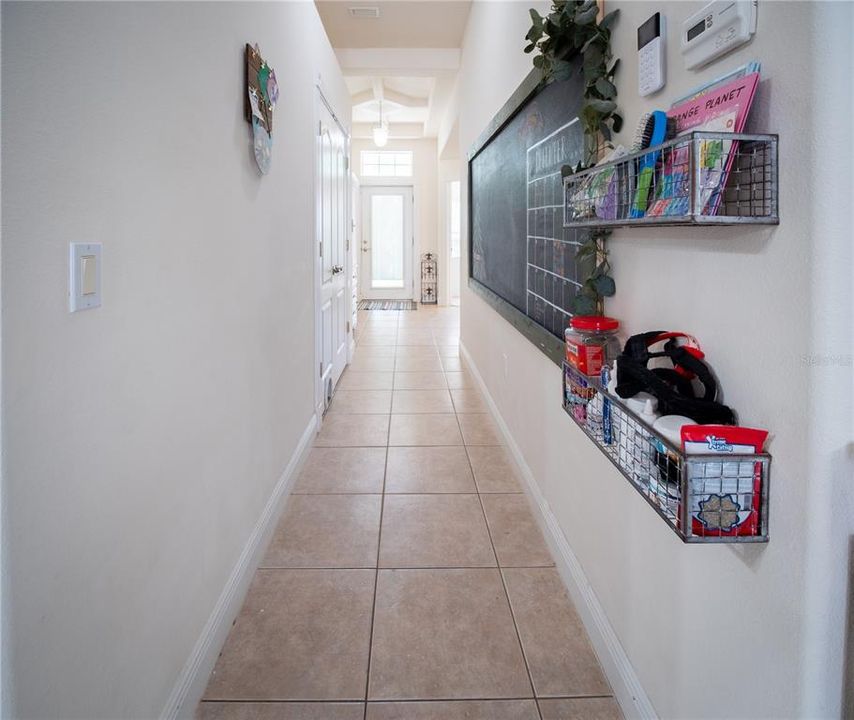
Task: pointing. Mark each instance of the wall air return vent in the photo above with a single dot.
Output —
(365, 12)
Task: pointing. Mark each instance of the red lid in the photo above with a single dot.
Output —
(594, 322)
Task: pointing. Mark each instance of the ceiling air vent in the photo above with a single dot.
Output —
(365, 12)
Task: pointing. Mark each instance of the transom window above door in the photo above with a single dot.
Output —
(386, 163)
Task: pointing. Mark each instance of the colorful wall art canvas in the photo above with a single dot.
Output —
(262, 92)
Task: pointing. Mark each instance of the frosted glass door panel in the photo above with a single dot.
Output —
(387, 239)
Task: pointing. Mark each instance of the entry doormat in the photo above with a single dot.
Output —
(388, 305)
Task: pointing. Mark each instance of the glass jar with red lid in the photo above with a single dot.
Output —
(592, 343)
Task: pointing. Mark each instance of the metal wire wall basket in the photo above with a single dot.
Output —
(700, 178)
(708, 498)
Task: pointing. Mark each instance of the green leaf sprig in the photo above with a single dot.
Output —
(570, 30)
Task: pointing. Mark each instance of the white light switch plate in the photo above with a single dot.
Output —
(84, 285)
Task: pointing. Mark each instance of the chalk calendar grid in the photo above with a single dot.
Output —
(552, 273)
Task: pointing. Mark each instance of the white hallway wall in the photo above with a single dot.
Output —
(143, 439)
(449, 171)
(718, 631)
(424, 182)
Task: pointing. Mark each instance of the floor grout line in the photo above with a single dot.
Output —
(386, 701)
(503, 583)
(383, 492)
(376, 575)
(406, 567)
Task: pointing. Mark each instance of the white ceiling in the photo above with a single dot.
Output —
(407, 58)
(404, 24)
(404, 99)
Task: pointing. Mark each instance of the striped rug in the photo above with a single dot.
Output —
(388, 305)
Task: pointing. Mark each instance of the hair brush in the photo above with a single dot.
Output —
(653, 129)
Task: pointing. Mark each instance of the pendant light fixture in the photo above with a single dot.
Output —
(380, 132)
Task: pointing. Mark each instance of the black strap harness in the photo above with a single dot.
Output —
(673, 387)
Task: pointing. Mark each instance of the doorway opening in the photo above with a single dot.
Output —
(454, 231)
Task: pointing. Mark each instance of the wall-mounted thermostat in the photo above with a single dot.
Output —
(719, 27)
(651, 55)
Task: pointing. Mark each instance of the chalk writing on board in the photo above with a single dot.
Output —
(519, 249)
(551, 280)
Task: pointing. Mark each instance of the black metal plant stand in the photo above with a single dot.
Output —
(429, 290)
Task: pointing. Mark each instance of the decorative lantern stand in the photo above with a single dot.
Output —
(429, 291)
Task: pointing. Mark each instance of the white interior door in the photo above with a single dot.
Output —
(334, 228)
(387, 243)
(355, 242)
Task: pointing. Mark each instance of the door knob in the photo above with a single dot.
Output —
(364, 247)
(337, 269)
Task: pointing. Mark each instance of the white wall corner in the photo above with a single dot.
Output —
(625, 683)
(193, 679)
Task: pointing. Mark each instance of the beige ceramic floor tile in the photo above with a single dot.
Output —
(426, 429)
(462, 379)
(419, 381)
(326, 531)
(422, 401)
(468, 400)
(357, 402)
(446, 338)
(301, 635)
(581, 709)
(414, 337)
(342, 470)
(280, 711)
(449, 350)
(371, 364)
(342, 430)
(380, 332)
(515, 534)
(413, 322)
(444, 634)
(366, 381)
(416, 351)
(494, 469)
(374, 351)
(383, 339)
(454, 710)
(453, 364)
(427, 363)
(428, 470)
(480, 429)
(381, 318)
(434, 531)
(559, 654)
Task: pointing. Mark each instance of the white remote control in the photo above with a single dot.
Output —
(651, 55)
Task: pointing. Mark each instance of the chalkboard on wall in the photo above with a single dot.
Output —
(521, 259)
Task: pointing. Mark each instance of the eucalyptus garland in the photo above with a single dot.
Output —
(569, 30)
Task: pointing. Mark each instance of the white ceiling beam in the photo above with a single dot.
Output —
(377, 88)
(411, 62)
(405, 100)
(362, 98)
(396, 131)
(391, 96)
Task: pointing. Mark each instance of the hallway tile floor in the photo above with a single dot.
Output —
(407, 578)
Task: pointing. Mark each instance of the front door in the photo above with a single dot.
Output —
(387, 243)
(334, 228)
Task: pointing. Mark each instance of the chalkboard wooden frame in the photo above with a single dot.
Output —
(550, 345)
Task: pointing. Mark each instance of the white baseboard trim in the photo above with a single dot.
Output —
(193, 678)
(628, 691)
